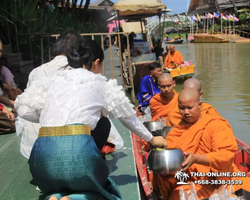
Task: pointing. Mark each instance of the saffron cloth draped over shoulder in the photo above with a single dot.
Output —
(161, 107)
(211, 136)
(172, 59)
(174, 116)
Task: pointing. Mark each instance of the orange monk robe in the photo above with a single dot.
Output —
(174, 116)
(210, 136)
(170, 60)
(160, 107)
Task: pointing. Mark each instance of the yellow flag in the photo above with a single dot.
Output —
(198, 17)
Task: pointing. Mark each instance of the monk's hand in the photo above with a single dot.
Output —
(159, 141)
(190, 160)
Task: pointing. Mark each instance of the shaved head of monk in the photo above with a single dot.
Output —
(193, 83)
(167, 84)
(189, 105)
(172, 49)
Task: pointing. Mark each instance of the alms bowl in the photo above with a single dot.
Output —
(153, 125)
(165, 161)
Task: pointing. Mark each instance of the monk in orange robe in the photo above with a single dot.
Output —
(208, 143)
(173, 58)
(162, 103)
(174, 116)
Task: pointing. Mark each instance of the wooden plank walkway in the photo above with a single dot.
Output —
(15, 175)
(219, 38)
(234, 37)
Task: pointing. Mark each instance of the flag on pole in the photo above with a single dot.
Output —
(216, 15)
(210, 16)
(194, 17)
(198, 17)
(223, 16)
(206, 16)
(230, 17)
(236, 19)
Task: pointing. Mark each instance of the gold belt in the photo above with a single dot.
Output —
(64, 130)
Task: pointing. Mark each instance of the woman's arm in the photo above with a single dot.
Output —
(6, 101)
(118, 106)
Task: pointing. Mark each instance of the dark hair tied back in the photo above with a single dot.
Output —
(74, 59)
(87, 52)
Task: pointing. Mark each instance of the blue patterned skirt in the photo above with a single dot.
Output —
(71, 165)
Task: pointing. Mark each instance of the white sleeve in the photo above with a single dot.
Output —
(136, 126)
(117, 103)
(119, 106)
(30, 102)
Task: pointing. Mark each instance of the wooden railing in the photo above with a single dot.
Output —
(236, 31)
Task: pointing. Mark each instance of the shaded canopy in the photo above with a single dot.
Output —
(138, 8)
(132, 26)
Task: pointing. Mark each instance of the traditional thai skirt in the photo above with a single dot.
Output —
(65, 160)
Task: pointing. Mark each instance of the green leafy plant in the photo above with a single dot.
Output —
(42, 21)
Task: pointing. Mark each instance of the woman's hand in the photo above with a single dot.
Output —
(159, 141)
(9, 114)
(17, 91)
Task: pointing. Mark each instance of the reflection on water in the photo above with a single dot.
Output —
(224, 71)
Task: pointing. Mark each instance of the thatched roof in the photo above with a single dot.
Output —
(139, 8)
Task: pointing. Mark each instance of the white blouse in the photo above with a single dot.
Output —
(77, 96)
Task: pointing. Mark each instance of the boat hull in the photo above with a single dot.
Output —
(180, 74)
(241, 159)
(174, 42)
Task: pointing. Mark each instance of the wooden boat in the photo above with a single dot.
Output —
(241, 159)
(174, 41)
(181, 73)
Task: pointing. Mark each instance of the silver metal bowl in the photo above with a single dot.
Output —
(166, 130)
(153, 125)
(165, 162)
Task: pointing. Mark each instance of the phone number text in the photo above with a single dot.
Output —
(218, 182)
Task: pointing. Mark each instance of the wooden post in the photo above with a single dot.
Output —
(111, 57)
(130, 72)
(102, 44)
(120, 58)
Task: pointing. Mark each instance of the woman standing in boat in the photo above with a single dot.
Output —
(65, 160)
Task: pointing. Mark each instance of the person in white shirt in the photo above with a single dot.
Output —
(65, 159)
(65, 43)
(29, 130)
